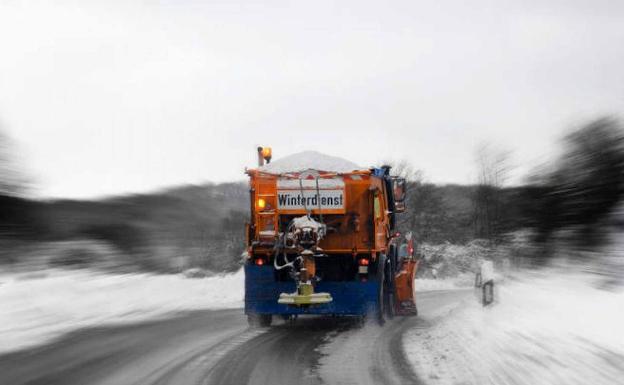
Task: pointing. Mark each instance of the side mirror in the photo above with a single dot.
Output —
(398, 193)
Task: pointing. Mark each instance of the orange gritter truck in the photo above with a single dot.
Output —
(322, 240)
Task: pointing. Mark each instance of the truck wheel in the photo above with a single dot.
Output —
(390, 306)
(389, 297)
(382, 292)
(259, 320)
(381, 320)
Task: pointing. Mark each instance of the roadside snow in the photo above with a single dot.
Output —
(310, 160)
(366, 355)
(39, 307)
(462, 281)
(543, 329)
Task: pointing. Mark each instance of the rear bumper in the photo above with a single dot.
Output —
(349, 298)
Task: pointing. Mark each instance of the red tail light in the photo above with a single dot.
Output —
(259, 262)
(363, 267)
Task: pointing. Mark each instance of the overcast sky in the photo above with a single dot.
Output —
(110, 97)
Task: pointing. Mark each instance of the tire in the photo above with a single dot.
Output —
(381, 270)
(381, 319)
(389, 297)
(390, 306)
(259, 320)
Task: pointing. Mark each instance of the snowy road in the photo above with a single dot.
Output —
(216, 347)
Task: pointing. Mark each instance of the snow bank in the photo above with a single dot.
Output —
(450, 260)
(310, 160)
(39, 307)
(450, 267)
(543, 329)
(462, 281)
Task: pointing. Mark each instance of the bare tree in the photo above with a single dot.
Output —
(427, 215)
(404, 169)
(493, 170)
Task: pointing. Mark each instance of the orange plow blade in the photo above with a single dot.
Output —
(404, 285)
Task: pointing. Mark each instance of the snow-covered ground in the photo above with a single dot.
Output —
(545, 327)
(462, 281)
(38, 307)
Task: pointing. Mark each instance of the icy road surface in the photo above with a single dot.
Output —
(41, 306)
(546, 327)
(216, 347)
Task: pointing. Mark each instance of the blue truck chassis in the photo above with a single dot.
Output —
(353, 298)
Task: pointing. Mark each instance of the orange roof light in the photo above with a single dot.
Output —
(267, 153)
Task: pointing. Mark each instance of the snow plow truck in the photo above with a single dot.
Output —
(321, 240)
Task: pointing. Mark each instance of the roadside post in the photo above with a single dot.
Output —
(484, 280)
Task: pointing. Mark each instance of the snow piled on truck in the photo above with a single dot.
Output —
(38, 307)
(310, 160)
(547, 327)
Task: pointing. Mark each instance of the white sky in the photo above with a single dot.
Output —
(109, 97)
